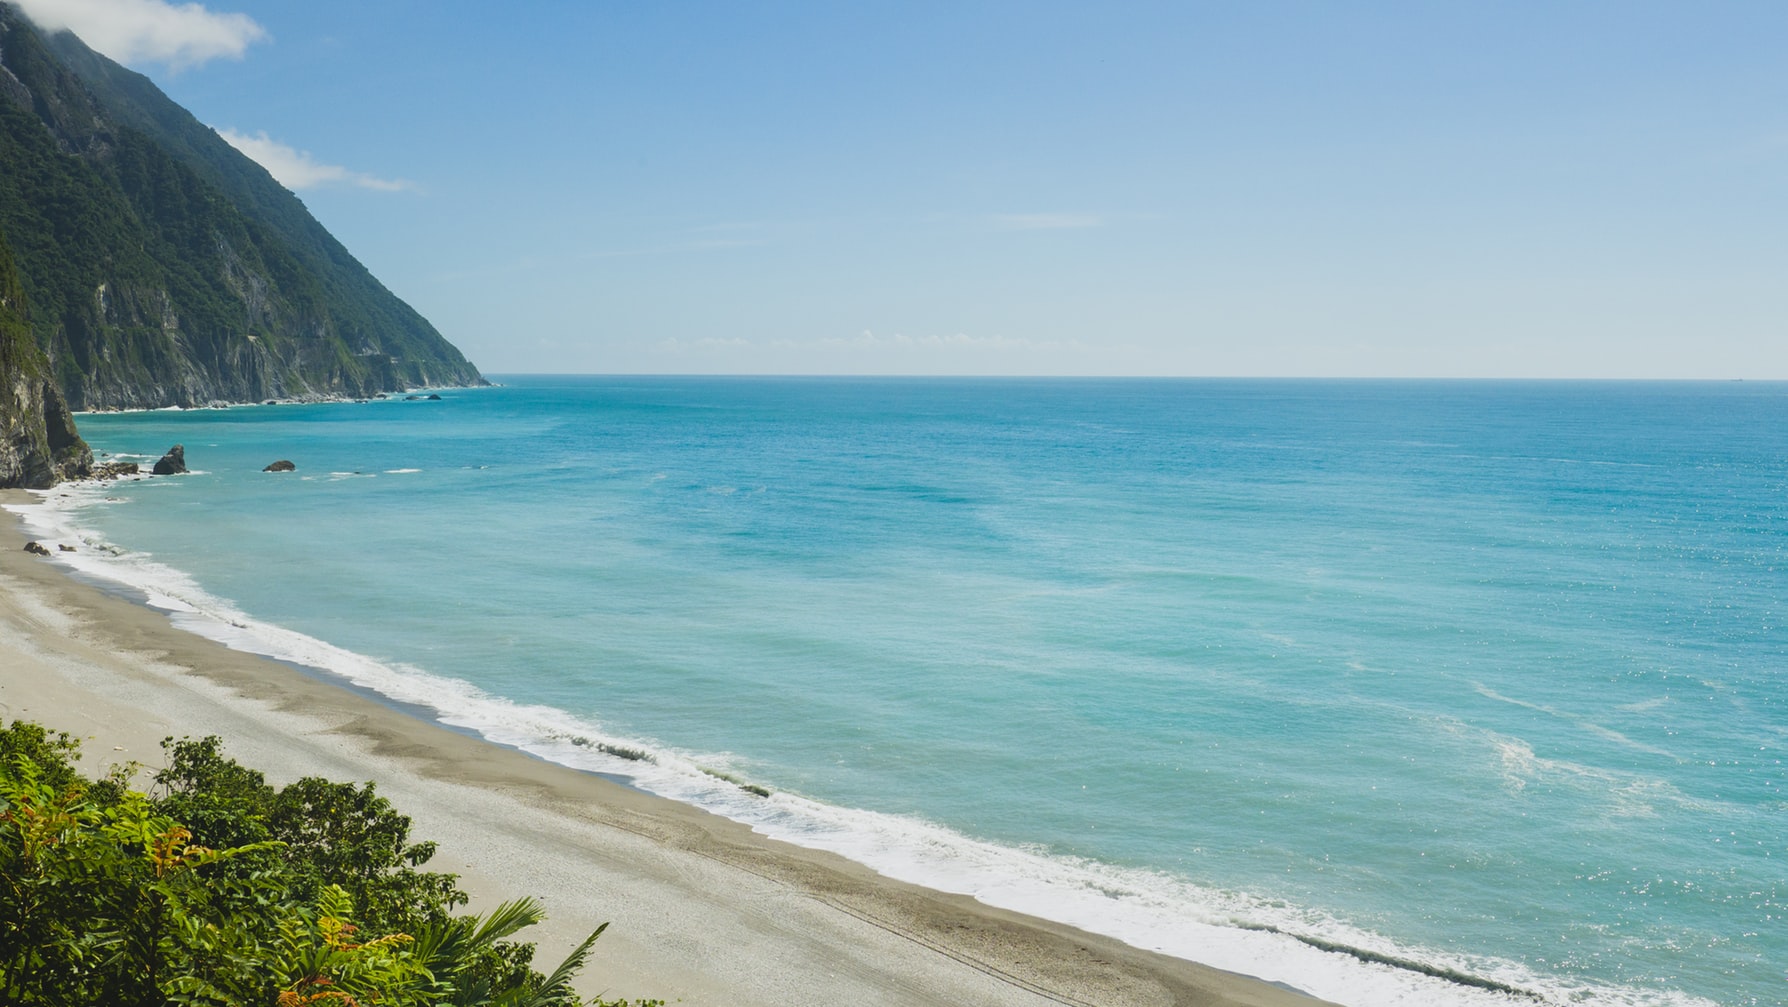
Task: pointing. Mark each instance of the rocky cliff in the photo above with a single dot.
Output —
(163, 267)
(38, 443)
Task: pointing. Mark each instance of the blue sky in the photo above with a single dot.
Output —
(1261, 188)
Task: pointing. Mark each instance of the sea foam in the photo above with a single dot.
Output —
(1306, 950)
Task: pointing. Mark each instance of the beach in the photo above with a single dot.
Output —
(701, 909)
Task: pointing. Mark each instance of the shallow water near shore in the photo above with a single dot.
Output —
(1482, 677)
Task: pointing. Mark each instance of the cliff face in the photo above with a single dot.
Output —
(163, 267)
(38, 443)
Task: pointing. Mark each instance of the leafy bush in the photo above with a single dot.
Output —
(216, 888)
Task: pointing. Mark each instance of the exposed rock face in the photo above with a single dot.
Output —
(173, 463)
(166, 268)
(280, 466)
(38, 443)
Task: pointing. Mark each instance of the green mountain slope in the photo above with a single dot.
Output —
(38, 443)
(166, 268)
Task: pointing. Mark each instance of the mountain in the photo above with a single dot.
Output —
(163, 267)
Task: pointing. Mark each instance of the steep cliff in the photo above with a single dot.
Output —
(163, 267)
(38, 443)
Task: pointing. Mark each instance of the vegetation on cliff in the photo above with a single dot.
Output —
(38, 442)
(165, 267)
(215, 888)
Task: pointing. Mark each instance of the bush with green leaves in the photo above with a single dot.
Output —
(216, 888)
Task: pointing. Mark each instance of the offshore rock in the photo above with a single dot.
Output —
(173, 463)
(114, 470)
(35, 548)
(280, 466)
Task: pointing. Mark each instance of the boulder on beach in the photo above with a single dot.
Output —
(280, 466)
(172, 463)
(65, 547)
(34, 547)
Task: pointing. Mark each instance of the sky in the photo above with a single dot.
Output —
(1437, 189)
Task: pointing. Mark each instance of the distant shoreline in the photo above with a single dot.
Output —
(300, 400)
(703, 909)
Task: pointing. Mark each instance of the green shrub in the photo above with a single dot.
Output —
(219, 889)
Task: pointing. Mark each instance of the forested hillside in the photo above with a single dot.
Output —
(163, 267)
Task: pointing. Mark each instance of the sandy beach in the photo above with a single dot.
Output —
(702, 910)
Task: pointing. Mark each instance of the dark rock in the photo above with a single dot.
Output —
(33, 547)
(280, 466)
(434, 398)
(65, 547)
(412, 398)
(114, 470)
(173, 463)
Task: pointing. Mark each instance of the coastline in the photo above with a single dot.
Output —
(703, 909)
(306, 399)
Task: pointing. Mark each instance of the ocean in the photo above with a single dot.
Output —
(1440, 693)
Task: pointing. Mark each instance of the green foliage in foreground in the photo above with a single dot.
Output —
(215, 888)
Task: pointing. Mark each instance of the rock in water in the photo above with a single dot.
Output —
(33, 547)
(280, 466)
(172, 463)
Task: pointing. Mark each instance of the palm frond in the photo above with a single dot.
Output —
(506, 919)
(557, 988)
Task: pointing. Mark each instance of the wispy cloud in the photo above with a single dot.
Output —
(1046, 221)
(729, 226)
(131, 31)
(297, 169)
(869, 341)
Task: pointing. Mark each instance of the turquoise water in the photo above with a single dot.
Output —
(1483, 676)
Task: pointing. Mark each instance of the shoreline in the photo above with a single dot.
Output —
(307, 399)
(703, 909)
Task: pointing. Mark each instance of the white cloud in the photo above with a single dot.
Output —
(133, 30)
(1046, 221)
(296, 169)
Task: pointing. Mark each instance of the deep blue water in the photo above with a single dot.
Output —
(1484, 675)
